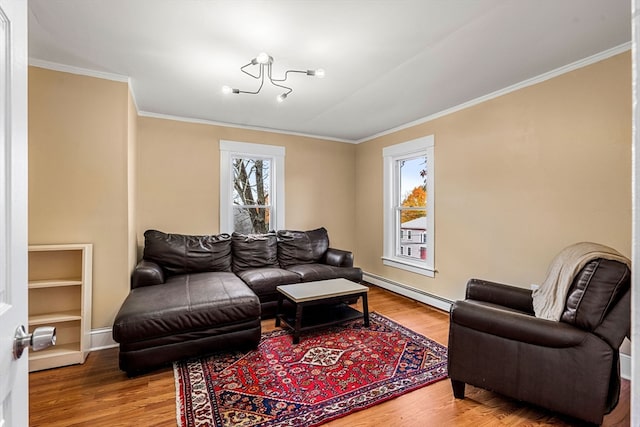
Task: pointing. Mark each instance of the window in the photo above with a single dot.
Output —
(251, 187)
(409, 205)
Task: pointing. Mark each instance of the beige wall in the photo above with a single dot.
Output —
(179, 179)
(78, 175)
(517, 178)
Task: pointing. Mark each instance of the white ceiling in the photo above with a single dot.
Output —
(387, 62)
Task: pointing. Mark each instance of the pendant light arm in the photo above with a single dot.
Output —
(286, 75)
(249, 74)
(259, 76)
(263, 60)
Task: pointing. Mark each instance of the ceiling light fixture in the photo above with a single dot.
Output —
(264, 62)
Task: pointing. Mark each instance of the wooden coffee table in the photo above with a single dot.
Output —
(321, 304)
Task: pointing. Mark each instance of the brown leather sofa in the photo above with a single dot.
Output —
(571, 366)
(265, 261)
(195, 295)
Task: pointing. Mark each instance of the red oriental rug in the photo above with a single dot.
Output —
(329, 374)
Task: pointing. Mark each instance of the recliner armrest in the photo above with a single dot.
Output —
(338, 258)
(146, 273)
(514, 325)
(497, 293)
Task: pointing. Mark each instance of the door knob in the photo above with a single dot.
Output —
(42, 337)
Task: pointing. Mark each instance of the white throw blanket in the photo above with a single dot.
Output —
(550, 298)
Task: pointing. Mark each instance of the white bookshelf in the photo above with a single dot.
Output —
(60, 296)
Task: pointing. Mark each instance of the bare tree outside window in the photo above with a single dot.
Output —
(251, 190)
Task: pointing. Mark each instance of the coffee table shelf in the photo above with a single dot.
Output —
(321, 316)
(320, 304)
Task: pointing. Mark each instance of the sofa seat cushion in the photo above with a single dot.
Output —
(313, 272)
(185, 303)
(263, 281)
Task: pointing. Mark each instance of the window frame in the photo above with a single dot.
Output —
(234, 149)
(423, 146)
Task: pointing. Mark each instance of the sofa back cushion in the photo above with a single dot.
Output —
(302, 247)
(181, 254)
(594, 291)
(254, 251)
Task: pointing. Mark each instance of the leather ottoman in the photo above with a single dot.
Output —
(190, 315)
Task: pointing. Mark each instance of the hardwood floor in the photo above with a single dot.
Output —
(98, 394)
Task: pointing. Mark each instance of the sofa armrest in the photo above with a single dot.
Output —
(515, 326)
(338, 258)
(146, 273)
(497, 293)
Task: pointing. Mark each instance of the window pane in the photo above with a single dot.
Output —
(409, 205)
(251, 220)
(251, 179)
(413, 175)
(412, 232)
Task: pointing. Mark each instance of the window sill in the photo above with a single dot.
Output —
(409, 266)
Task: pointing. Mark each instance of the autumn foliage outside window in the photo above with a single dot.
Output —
(412, 206)
(417, 197)
(413, 193)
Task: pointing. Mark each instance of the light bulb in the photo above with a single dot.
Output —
(319, 73)
(262, 58)
(228, 89)
(282, 97)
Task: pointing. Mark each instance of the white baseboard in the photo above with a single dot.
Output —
(408, 291)
(101, 339)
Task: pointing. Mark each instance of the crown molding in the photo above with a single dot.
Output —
(77, 70)
(86, 72)
(236, 126)
(125, 79)
(526, 83)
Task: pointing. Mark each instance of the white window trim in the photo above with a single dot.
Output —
(229, 149)
(416, 147)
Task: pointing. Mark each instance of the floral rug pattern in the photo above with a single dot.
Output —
(329, 374)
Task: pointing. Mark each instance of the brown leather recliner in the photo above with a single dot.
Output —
(571, 366)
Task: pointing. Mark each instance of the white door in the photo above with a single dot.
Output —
(14, 381)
